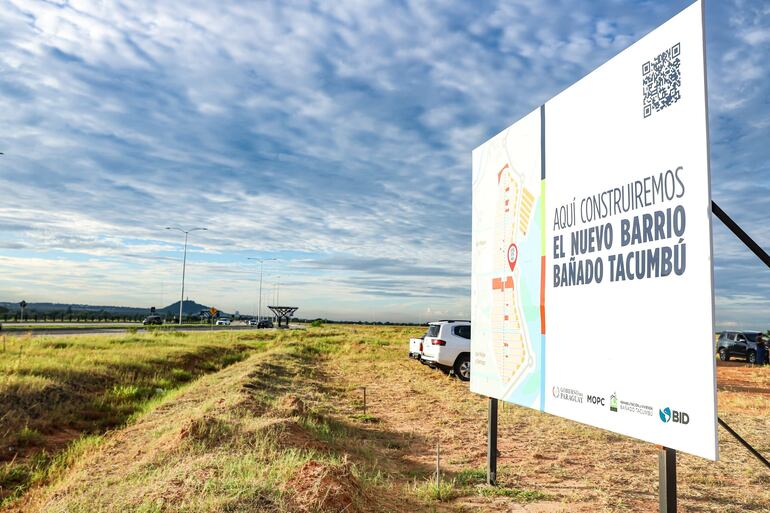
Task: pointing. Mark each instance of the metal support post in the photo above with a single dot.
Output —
(744, 443)
(438, 469)
(667, 476)
(738, 232)
(492, 442)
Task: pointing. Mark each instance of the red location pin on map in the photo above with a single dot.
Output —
(513, 255)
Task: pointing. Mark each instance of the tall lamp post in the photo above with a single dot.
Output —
(184, 261)
(275, 293)
(261, 262)
(278, 291)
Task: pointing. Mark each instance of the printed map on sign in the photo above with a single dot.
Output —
(507, 294)
(512, 343)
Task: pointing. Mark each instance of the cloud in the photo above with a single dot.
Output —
(336, 135)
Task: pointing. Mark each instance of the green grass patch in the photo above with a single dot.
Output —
(430, 490)
(513, 493)
(27, 437)
(471, 477)
(365, 417)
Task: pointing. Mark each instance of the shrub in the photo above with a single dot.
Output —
(28, 436)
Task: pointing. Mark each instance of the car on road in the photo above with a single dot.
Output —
(152, 319)
(740, 344)
(447, 346)
(223, 322)
(265, 323)
(252, 322)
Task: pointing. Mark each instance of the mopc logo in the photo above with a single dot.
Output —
(669, 415)
(595, 399)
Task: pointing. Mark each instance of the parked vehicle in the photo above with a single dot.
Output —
(740, 344)
(415, 347)
(265, 323)
(447, 346)
(152, 319)
(223, 322)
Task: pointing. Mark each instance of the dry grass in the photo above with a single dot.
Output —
(55, 390)
(586, 468)
(248, 438)
(285, 431)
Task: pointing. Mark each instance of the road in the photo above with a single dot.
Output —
(40, 329)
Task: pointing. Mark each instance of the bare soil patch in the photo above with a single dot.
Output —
(323, 488)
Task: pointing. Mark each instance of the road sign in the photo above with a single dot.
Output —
(591, 223)
(213, 311)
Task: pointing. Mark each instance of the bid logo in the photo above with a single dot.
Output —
(669, 415)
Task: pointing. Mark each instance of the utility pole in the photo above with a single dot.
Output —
(278, 292)
(261, 262)
(275, 295)
(184, 262)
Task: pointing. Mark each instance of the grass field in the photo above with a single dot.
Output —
(284, 430)
(55, 390)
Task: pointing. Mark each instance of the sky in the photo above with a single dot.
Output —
(334, 137)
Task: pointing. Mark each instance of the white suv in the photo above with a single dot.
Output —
(447, 346)
(223, 322)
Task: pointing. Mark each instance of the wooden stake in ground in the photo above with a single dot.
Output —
(438, 469)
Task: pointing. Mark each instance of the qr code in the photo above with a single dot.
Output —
(661, 79)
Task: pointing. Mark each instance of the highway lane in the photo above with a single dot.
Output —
(118, 329)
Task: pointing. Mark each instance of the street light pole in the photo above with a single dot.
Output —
(184, 268)
(184, 261)
(278, 292)
(261, 262)
(275, 295)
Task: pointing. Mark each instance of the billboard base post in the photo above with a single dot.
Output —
(667, 476)
(492, 442)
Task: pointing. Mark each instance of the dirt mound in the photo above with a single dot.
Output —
(249, 405)
(290, 406)
(324, 488)
(288, 433)
(208, 430)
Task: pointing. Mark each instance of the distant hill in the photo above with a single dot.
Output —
(188, 308)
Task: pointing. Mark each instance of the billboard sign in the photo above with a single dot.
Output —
(592, 294)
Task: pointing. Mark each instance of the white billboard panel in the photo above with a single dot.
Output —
(592, 292)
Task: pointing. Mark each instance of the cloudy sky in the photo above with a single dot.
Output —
(332, 136)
